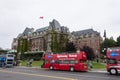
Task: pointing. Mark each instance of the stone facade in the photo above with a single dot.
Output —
(56, 36)
(87, 37)
(42, 39)
(14, 44)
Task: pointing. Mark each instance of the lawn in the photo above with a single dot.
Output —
(35, 63)
(39, 63)
(98, 65)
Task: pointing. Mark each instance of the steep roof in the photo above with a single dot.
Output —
(41, 29)
(54, 23)
(84, 32)
(27, 31)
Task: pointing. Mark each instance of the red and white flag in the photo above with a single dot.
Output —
(41, 17)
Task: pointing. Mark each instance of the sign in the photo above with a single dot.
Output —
(114, 54)
(3, 59)
(49, 56)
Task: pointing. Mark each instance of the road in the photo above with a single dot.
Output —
(23, 73)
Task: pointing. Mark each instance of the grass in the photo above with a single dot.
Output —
(35, 63)
(39, 63)
(98, 65)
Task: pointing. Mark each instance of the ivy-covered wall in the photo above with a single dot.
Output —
(22, 47)
(58, 42)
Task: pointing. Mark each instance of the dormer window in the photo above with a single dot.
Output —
(92, 35)
(58, 29)
(86, 35)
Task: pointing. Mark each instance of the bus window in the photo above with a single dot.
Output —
(73, 62)
(9, 60)
(54, 61)
(76, 61)
(10, 56)
(118, 61)
(64, 62)
(46, 61)
(83, 61)
(111, 61)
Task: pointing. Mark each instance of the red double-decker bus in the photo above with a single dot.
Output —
(66, 61)
(113, 60)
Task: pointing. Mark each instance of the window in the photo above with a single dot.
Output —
(54, 61)
(111, 61)
(118, 61)
(83, 61)
(73, 62)
(10, 55)
(10, 60)
(64, 62)
(46, 61)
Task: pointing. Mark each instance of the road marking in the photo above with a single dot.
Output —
(29, 74)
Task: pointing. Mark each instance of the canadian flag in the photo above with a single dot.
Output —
(41, 17)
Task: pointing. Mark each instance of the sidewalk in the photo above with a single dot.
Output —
(98, 70)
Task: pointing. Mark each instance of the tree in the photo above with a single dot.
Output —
(54, 43)
(118, 41)
(89, 52)
(22, 47)
(58, 42)
(108, 42)
(70, 47)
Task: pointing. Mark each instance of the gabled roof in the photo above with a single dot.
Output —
(41, 29)
(54, 23)
(19, 35)
(27, 31)
(84, 32)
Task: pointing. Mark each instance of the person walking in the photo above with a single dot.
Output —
(90, 65)
(30, 62)
(3, 64)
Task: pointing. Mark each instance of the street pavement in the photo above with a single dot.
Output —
(37, 73)
(92, 70)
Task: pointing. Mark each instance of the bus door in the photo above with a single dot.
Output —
(54, 64)
(46, 63)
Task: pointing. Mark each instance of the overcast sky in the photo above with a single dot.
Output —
(16, 15)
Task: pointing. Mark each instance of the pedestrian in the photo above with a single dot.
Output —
(30, 62)
(90, 65)
(3, 64)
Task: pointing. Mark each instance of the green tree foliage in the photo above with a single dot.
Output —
(22, 47)
(70, 47)
(58, 43)
(63, 41)
(118, 41)
(108, 42)
(54, 43)
(89, 52)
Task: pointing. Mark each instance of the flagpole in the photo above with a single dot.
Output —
(42, 18)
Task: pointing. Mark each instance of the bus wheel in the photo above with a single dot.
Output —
(113, 71)
(72, 69)
(51, 67)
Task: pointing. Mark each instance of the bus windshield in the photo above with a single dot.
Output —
(111, 61)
